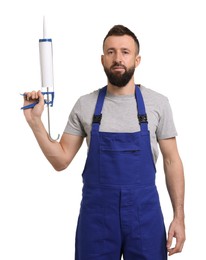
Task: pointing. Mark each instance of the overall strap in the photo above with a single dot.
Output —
(142, 116)
(98, 109)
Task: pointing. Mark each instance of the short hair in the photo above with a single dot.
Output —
(120, 30)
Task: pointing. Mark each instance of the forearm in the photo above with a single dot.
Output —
(174, 175)
(176, 188)
(53, 151)
(175, 184)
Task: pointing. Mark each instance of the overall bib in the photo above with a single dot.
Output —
(120, 213)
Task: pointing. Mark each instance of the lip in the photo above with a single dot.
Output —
(118, 68)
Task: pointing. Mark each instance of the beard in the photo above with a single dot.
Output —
(118, 79)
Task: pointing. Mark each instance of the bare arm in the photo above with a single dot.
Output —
(174, 175)
(59, 154)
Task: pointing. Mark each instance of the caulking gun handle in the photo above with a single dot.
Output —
(48, 102)
(30, 105)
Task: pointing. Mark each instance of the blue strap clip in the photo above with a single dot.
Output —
(48, 101)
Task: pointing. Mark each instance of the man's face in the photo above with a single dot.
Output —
(120, 59)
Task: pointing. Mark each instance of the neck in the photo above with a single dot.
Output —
(129, 89)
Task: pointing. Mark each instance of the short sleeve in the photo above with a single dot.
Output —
(166, 127)
(74, 125)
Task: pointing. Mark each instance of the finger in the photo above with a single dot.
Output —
(28, 96)
(40, 97)
(34, 95)
(179, 245)
(24, 95)
(169, 240)
(177, 249)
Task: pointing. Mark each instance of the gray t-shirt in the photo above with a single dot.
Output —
(119, 114)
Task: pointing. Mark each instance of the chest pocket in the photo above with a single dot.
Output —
(119, 158)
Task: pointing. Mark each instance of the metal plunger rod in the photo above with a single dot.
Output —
(48, 120)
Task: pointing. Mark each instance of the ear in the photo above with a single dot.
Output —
(102, 59)
(137, 60)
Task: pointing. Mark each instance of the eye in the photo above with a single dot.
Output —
(110, 51)
(125, 52)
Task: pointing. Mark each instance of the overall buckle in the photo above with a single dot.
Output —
(97, 119)
(142, 118)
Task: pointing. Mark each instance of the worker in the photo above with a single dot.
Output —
(124, 124)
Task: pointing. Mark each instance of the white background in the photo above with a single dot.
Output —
(39, 207)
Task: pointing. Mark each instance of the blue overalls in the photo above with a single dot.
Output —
(120, 211)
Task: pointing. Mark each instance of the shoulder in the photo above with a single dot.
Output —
(85, 106)
(89, 98)
(155, 102)
(153, 97)
(157, 105)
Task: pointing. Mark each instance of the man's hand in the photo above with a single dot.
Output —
(177, 231)
(35, 112)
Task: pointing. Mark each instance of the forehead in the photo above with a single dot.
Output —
(119, 42)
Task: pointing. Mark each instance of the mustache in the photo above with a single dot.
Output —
(118, 64)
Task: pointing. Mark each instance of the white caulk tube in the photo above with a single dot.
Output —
(46, 62)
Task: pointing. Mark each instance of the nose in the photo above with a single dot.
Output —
(118, 57)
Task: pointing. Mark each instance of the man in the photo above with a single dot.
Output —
(120, 212)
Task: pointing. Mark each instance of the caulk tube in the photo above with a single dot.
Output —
(46, 65)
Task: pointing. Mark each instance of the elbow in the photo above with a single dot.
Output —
(60, 167)
(59, 163)
(172, 161)
(168, 162)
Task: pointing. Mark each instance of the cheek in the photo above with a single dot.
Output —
(130, 63)
(106, 62)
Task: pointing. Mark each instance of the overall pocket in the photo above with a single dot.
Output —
(119, 159)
